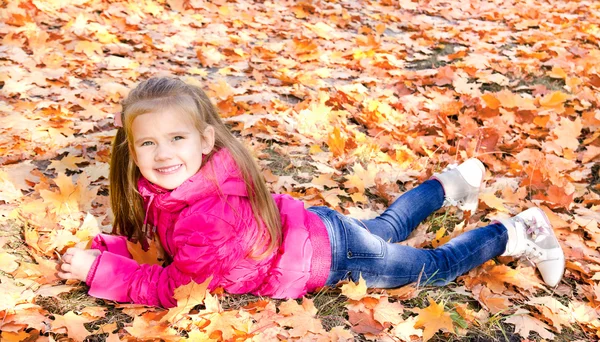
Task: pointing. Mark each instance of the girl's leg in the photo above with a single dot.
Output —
(397, 222)
(456, 186)
(387, 265)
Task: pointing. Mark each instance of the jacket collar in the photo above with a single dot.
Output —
(219, 176)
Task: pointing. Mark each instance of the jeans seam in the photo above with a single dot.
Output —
(470, 254)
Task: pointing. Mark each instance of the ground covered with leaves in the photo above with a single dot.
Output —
(344, 103)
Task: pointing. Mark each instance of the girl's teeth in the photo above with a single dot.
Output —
(169, 169)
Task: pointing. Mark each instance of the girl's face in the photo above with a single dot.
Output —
(168, 148)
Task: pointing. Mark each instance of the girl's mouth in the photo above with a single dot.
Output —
(169, 169)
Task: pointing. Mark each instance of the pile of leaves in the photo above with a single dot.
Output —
(343, 103)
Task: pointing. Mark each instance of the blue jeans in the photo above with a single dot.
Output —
(367, 247)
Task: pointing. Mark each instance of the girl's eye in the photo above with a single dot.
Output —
(178, 137)
(147, 143)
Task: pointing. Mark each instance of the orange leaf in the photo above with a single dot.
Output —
(336, 143)
(491, 101)
(433, 318)
(155, 255)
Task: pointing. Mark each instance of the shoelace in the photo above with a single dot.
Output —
(536, 232)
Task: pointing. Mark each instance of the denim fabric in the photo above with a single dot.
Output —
(367, 247)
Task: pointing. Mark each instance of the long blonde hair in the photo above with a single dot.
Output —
(157, 94)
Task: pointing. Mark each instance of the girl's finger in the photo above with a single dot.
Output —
(66, 275)
(65, 267)
(67, 258)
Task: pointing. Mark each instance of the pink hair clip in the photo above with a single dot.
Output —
(118, 121)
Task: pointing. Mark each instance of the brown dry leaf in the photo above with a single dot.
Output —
(433, 318)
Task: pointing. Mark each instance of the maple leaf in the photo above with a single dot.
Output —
(525, 324)
(187, 297)
(228, 325)
(355, 291)
(74, 324)
(552, 309)
(147, 328)
(433, 318)
(386, 312)
(300, 318)
(69, 196)
(155, 255)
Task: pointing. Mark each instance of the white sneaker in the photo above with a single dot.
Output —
(462, 183)
(530, 234)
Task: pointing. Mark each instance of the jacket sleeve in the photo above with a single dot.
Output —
(111, 243)
(204, 245)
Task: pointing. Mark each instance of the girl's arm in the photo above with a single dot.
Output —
(204, 245)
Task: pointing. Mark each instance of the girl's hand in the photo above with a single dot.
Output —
(76, 263)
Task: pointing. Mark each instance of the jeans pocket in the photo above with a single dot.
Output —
(360, 243)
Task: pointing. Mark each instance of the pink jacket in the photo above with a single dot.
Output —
(208, 228)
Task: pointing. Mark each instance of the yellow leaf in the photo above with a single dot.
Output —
(355, 291)
(440, 239)
(492, 201)
(554, 99)
(433, 318)
(557, 72)
(187, 297)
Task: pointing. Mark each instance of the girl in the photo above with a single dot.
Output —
(177, 171)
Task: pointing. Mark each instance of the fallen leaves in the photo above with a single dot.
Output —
(358, 102)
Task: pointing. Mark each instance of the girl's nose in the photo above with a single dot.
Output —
(163, 152)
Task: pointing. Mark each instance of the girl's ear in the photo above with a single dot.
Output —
(208, 139)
